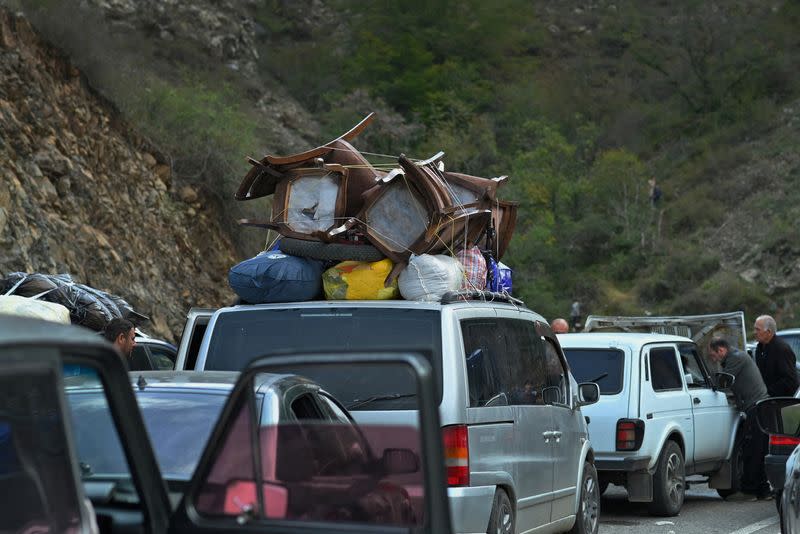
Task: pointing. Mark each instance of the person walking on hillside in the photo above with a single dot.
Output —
(748, 388)
(559, 326)
(122, 334)
(575, 315)
(775, 359)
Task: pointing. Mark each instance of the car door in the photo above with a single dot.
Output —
(714, 418)
(567, 440)
(665, 403)
(234, 488)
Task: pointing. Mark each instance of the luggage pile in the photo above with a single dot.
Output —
(59, 298)
(353, 230)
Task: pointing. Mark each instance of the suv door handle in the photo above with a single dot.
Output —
(557, 435)
(696, 400)
(547, 435)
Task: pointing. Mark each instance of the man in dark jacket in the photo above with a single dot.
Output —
(775, 359)
(748, 388)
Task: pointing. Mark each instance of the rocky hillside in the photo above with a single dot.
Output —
(80, 193)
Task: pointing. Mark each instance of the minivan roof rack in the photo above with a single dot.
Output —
(475, 294)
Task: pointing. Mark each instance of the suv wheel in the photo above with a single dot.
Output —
(669, 482)
(737, 466)
(502, 519)
(588, 517)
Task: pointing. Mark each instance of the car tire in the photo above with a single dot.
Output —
(330, 251)
(587, 519)
(501, 521)
(737, 466)
(669, 482)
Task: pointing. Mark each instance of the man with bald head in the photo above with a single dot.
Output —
(560, 326)
(775, 359)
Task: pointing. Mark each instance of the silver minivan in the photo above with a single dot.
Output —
(517, 448)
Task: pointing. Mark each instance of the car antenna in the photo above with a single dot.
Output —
(141, 383)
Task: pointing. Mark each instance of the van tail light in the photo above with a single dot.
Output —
(783, 441)
(456, 454)
(630, 433)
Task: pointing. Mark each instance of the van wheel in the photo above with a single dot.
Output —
(737, 466)
(502, 519)
(587, 519)
(669, 482)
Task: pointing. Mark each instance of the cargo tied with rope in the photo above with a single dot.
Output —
(332, 204)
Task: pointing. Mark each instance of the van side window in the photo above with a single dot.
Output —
(527, 361)
(485, 350)
(556, 374)
(664, 370)
(505, 362)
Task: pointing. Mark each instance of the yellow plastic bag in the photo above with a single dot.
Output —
(359, 280)
(37, 309)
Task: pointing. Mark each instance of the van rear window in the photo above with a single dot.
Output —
(240, 337)
(603, 366)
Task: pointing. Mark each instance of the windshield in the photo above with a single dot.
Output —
(603, 366)
(239, 337)
(178, 423)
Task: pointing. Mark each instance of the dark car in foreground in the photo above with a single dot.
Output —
(310, 474)
(780, 416)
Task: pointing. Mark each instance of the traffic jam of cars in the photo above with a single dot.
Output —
(404, 391)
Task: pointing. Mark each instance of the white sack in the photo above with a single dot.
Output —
(429, 277)
(38, 309)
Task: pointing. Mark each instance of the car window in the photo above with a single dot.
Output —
(162, 358)
(556, 375)
(505, 362)
(240, 336)
(304, 468)
(36, 476)
(100, 453)
(602, 366)
(664, 372)
(693, 368)
(793, 340)
(139, 360)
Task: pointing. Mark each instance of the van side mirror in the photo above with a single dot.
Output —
(779, 415)
(399, 461)
(724, 381)
(588, 393)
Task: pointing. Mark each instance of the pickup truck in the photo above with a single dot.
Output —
(662, 414)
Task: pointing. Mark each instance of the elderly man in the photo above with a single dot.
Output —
(775, 359)
(748, 388)
(560, 326)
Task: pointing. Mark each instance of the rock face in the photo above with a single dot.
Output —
(80, 193)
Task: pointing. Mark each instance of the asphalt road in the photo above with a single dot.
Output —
(703, 512)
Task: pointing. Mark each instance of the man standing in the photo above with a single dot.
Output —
(575, 315)
(775, 359)
(122, 334)
(559, 326)
(748, 388)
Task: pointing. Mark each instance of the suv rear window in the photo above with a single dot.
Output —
(241, 336)
(603, 366)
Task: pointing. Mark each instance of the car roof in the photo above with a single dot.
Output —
(216, 380)
(616, 339)
(25, 331)
(385, 304)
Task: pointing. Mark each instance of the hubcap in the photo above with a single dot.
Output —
(505, 525)
(590, 505)
(675, 483)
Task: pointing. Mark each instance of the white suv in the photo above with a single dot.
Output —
(660, 416)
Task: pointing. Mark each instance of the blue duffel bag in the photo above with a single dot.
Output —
(273, 276)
